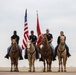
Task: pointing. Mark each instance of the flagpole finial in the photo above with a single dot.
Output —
(37, 11)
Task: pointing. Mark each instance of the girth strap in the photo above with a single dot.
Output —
(61, 52)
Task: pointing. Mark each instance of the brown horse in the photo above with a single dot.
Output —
(14, 54)
(46, 53)
(62, 55)
(31, 55)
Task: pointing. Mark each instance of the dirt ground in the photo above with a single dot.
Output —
(39, 70)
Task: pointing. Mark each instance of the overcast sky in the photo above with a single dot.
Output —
(56, 15)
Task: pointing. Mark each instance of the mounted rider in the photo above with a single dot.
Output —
(15, 36)
(33, 38)
(58, 42)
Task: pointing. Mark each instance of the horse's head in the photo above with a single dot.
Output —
(44, 39)
(14, 44)
(62, 40)
(29, 44)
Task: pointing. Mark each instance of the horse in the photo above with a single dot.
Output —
(14, 54)
(46, 53)
(31, 55)
(62, 54)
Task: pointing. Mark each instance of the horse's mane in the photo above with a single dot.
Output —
(45, 38)
(46, 45)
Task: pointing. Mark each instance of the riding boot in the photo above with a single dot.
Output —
(54, 58)
(20, 56)
(8, 51)
(37, 55)
(55, 52)
(68, 54)
(41, 59)
(7, 56)
(67, 50)
(25, 56)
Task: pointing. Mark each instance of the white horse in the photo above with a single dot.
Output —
(31, 55)
(62, 54)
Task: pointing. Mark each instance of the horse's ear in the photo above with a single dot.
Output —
(42, 35)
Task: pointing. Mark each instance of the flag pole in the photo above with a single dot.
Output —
(37, 12)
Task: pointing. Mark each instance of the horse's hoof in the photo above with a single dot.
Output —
(61, 70)
(43, 70)
(64, 70)
(58, 70)
(11, 71)
(14, 70)
(48, 70)
(29, 70)
(17, 70)
(33, 70)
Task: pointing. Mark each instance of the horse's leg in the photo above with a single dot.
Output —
(33, 65)
(11, 65)
(44, 65)
(29, 65)
(50, 65)
(47, 66)
(64, 63)
(17, 65)
(61, 66)
(14, 65)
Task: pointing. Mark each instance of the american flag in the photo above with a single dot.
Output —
(25, 37)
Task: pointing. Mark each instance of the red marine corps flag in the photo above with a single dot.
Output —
(38, 32)
(25, 37)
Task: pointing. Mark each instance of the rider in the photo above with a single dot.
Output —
(33, 38)
(58, 42)
(50, 39)
(20, 50)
